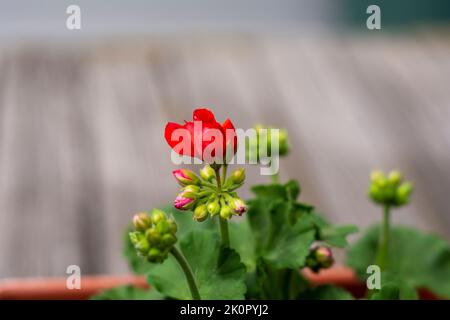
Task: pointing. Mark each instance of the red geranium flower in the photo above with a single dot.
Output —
(203, 138)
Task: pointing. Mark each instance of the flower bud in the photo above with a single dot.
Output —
(319, 258)
(213, 207)
(226, 212)
(153, 236)
(207, 173)
(168, 239)
(142, 221)
(403, 193)
(324, 256)
(158, 215)
(201, 213)
(139, 242)
(238, 176)
(192, 189)
(237, 205)
(186, 177)
(173, 226)
(154, 255)
(394, 178)
(163, 227)
(185, 200)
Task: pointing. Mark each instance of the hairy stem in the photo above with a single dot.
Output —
(187, 272)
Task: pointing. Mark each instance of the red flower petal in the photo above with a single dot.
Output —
(204, 115)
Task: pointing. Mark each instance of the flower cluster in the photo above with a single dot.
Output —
(266, 137)
(389, 190)
(320, 257)
(205, 197)
(154, 235)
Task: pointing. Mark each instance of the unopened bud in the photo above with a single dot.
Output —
(185, 200)
(153, 236)
(201, 213)
(163, 227)
(154, 255)
(283, 142)
(237, 205)
(226, 212)
(213, 207)
(238, 176)
(403, 193)
(395, 177)
(186, 177)
(319, 258)
(207, 173)
(168, 239)
(142, 221)
(158, 215)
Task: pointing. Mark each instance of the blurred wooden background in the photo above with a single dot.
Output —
(81, 131)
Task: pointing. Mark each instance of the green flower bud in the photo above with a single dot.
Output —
(394, 178)
(186, 177)
(403, 193)
(142, 221)
(153, 236)
(168, 239)
(163, 227)
(200, 213)
(238, 176)
(158, 215)
(191, 189)
(213, 207)
(173, 226)
(389, 191)
(207, 173)
(154, 255)
(226, 212)
(139, 242)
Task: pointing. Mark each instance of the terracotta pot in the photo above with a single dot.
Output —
(55, 288)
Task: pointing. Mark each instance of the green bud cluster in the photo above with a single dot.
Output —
(205, 199)
(320, 257)
(389, 190)
(256, 143)
(154, 235)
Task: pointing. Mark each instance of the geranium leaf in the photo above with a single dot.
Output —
(420, 260)
(218, 272)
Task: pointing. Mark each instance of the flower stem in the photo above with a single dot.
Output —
(383, 246)
(223, 224)
(187, 272)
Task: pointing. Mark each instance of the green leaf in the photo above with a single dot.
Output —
(389, 291)
(326, 292)
(218, 272)
(394, 288)
(419, 260)
(284, 229)
(128, 292)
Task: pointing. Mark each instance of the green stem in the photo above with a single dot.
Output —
(223, 224)
(383, 246)
(187, 272)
